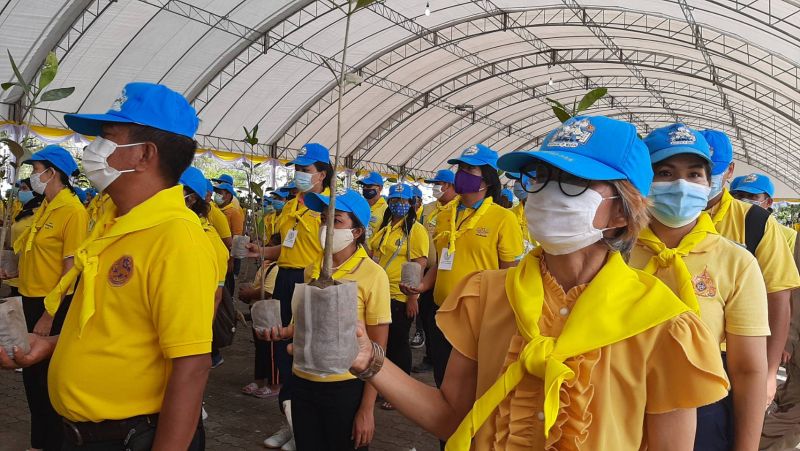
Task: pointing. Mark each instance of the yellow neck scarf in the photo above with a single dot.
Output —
(723, 206)
(455, 231)
(665, 257)
(299, 212)
(25, 240)
(618, 303)
(166, 205)
(347, 267)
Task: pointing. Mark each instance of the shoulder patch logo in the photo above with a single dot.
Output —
(121, 271)
(572, 134)
(704, 285)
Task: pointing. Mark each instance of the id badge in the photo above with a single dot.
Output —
(446, 262)
(291, 237)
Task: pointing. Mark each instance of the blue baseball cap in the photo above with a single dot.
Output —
(224, 178)
(373, 178)
(416, 191)
(280, 193)
(349, 201)
(443, 176)
(58, 157)
(193, 179)
(310, 154)
(753, 184)
(476, 155)
(401, 191)
(147, 104)
(593, 148)
(675, 139)
(80, 193)
(209, 186)
(226, 187)
(508, 194)
(721, 150)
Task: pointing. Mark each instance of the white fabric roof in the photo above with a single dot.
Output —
(472, 71)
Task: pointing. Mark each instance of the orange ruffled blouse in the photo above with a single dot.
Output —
(674, 365)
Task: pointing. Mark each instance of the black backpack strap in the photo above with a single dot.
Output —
(754, 224)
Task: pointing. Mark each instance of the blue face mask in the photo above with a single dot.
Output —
(399, 209)
(716, 185)
(278, 204)
(519, 191)
(677, 203)
(25, 196)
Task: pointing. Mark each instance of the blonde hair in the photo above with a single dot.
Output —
(634, 206)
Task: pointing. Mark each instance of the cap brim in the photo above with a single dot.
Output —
(301, 162)
(470, 161)
(663, 154)
(92, 124)
(573, 163)
(318, 202)
(750, 189)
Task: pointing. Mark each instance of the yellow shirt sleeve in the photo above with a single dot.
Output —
(183, 312)
(376, 298)
(420, 242)
(776, 260)
(746, 307)
(76, 229)
(220, 222)
(509, 246)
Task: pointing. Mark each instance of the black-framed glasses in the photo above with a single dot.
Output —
(541, 174)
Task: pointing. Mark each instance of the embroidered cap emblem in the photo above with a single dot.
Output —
(572, 134)
(472, 150)
(751, 178)
(121, 271)
(119, 101)
(302, 152)
(681, 135)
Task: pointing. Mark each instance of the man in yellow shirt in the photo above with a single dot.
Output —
(732, 218)
(224, 196)
(124, 372)
(217, 218)
(371, 187)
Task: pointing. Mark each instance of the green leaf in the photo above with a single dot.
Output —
(256, 189)
(591, 97)
(562, 115)
(49, 70)
(363, 4)
(255, 130)
(15, 147)
(246, 133)
(8, 85)
(556, 103)
(17, 72)
(57, 94)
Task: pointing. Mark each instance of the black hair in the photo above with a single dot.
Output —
(64, 178)
(27, 182)
(175, 152)
(274, 240)
(362, 240)
(493, 184)
(326, 182)
(408, 222)
(200, 207)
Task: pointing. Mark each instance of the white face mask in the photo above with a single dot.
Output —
(341, 238)
(37, 185)
(218, 199)
(304, 181)
(437, 191)
(95, 162)
(563, 224)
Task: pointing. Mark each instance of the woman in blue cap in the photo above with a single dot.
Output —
(337, 412)
(572, 349)
(715, 277)
(400, 239)
(45, 252)
(476, 235)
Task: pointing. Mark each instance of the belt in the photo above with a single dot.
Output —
(104, 431)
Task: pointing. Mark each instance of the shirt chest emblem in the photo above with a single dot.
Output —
(482, 231)
(704, 285)
(48, 226)
(121, 271)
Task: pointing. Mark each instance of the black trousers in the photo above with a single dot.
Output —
(715, 423)
(285, 281)
(398, 350)
(426, 320)
(265, 366)
(323, 414)
(46, 428)
(440, 348)
(142, 440)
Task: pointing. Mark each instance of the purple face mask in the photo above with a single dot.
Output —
(467, 183)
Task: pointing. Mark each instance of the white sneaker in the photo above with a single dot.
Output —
(280, 438)
(289, 446)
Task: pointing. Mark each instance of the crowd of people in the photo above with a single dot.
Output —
(606, 292)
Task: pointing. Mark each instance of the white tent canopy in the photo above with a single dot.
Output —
(471, 71)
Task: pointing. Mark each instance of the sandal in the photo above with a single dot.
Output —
(250, 388)
(264, 392)
(386, 405)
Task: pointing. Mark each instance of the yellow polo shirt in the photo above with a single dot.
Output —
(374, 303)
(774, 257)
(376, 216)
(727, 282)
(791, 236)
(494, 237)
(17, 228)
(307, 248)
(220, 250)
(154, 302)
(58, 228)
(219, 221)
(386, 242)
(235, 216)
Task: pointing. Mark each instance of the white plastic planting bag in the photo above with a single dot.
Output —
(13, 330)
(266, 314)
(9, 262)
(325, 327)
(239, 246)
(411, 274)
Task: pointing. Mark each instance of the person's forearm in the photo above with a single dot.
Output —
(779, 308)
(271, 252)
(429, 280)
(180, 411)
(749, 392)
(671, 431)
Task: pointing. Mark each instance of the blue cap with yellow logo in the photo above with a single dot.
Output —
(754, 184)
